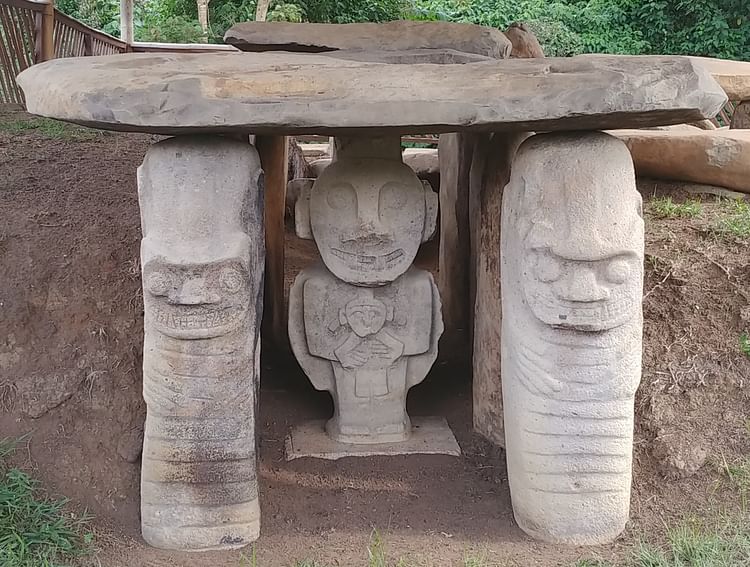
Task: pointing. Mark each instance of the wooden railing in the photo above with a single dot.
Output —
(31, 32)
(19, 22)
(75, 39)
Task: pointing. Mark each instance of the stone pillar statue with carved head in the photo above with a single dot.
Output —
(572, 277)
(202, 257)
(363, 322)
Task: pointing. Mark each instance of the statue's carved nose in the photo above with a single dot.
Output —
(369, 234)
(194, 291)
(581, 286)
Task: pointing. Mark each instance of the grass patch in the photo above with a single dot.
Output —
(52, 129)
(745, 344)
(736, 219)
(694, 545)
(376, 556)
(35, 531)
(665, 207)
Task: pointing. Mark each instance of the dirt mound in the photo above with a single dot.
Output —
(70, 357)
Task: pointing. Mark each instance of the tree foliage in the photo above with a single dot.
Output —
(717, 28)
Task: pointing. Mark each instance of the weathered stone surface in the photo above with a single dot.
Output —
(490, 171)
(712, 157)
(733, 76)
(411, 56)
(524, 42)
(173, 93)
(388, 36)
(365, 325)
(572, 281)
(423, 161)
(431, 436)
(202, 258)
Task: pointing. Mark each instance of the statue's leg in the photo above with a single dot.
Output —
(202, 259)
(572, 282)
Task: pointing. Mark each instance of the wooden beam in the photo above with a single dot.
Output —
(490, 172)
(48, 28)
(126, 21)
(741, 116)
(455, 154)
(274, 157)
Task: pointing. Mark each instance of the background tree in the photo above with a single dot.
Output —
(717, 28)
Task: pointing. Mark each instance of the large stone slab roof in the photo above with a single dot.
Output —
(389, 36)
(287, 93)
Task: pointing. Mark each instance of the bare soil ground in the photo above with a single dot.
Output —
(70, 356)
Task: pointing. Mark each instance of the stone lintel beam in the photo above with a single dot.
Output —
(281, 93)
(388, 36)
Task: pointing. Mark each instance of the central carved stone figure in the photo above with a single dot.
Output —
(364, 324)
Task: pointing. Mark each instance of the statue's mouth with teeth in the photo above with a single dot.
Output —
(200, 301)
(366, 261)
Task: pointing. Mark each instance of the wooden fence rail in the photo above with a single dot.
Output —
(31, 32)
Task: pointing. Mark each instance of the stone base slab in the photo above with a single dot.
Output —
(430, 436)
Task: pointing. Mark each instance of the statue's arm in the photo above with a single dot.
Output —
(317, 368)
(419, 364)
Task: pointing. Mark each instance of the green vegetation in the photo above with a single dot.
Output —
(736, 220)
(664, 207)
(53, 129)
(34, 530)
(695, 545)
(717, 28)
(745, 344)
(721, 541)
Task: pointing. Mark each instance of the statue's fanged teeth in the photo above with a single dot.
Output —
(203, 320)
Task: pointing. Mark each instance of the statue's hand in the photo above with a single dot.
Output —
(355, 357)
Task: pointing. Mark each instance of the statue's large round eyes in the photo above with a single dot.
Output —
(393, 196)
(548, 268)
(618, 270)
(230, 280)
(341, 197)
(158, 283)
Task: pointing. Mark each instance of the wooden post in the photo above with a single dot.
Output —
(126, 22)
(88, 45)
(274, 158)
(47, 31)
(455, 154)
(490, 171)
(741, 116)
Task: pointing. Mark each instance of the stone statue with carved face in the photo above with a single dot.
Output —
(202, 259)
(572, 278)
(364, 323)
